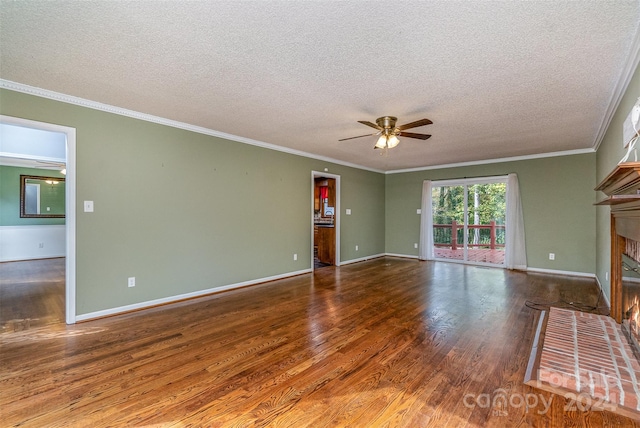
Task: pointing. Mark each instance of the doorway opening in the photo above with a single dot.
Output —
(325, 221)
(15, 157)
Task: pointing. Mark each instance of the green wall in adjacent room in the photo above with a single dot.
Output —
(610, 152)
(557, 199)
(10, 197)
(184, 212)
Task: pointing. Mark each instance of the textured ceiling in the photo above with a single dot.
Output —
(498, 79)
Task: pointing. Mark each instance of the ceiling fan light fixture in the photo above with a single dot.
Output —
(389, 132)
(392, 141)
(382, 142)
(387, 141)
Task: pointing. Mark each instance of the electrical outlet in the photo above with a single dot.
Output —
(131, 281)
(415, 245)
(356, 248)
(295, 257)
(606, 276)
(41, 245)
(552, 256)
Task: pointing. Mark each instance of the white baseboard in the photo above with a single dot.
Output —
(536, 270)
(404, 256)
(562, 272)
(362, 259)
(177, 298)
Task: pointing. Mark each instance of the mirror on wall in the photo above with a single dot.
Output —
(42, 197)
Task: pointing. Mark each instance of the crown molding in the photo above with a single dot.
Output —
(499, 160)
(69, 99)
(633, 59)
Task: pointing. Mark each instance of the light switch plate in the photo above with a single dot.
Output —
(348, 211)
(419, 211)
(88, 206)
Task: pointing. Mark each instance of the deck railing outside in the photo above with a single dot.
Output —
(452, 235)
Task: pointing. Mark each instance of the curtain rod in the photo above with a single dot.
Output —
(465, 178)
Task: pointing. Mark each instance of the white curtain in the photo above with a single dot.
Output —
(426, 223)
(515, 250)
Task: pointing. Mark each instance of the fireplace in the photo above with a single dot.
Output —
(631, 294)
(622, 187)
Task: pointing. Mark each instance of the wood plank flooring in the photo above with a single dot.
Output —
(389, 342)
(31, 293)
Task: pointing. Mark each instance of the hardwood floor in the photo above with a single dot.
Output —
(388, 342)
(31, 293)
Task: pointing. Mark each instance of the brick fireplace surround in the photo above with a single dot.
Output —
(585, 358)
(622, 188)
(589, 358)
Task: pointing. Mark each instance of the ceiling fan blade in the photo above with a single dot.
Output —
(415, 124)
(373, 125)
(414, 135)
(359, 136)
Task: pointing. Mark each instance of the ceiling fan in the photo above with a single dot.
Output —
(389, 132)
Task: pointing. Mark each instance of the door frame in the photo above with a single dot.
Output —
(319, 174)
(70, 206)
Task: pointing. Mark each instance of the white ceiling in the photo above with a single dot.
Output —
(498, 78)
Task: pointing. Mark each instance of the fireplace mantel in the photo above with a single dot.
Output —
(624, 179)
(622, 187)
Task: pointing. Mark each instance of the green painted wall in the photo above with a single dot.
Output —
(10, 197)
(184, 212)
(557, 199)
(610, 152)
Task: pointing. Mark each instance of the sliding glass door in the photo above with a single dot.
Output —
(469, 220)
(448, 222)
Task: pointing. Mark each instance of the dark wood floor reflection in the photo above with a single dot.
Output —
(31, 293)
(388, 342)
